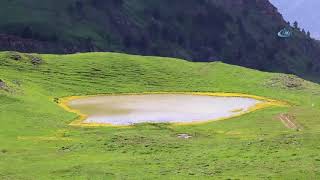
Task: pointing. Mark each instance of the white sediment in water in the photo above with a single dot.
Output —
(160, 108)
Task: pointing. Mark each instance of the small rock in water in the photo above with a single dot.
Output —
(184, 136)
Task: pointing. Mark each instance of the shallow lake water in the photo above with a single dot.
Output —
(159, 108)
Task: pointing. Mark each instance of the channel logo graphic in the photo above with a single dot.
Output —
(285, 33)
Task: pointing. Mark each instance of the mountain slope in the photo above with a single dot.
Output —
(241, 32)
(302, 11)
(36, 140)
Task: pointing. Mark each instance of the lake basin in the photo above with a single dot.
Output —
(159, 108)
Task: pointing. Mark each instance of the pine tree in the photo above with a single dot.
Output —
(308, 34)
(295, 25)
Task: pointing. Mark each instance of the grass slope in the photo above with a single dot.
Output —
(197, 30)
(36, 141)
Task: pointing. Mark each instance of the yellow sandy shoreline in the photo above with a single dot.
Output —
(266, 102)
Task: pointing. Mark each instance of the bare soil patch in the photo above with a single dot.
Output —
(289, 121)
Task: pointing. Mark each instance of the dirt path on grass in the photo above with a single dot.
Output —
(289, 121)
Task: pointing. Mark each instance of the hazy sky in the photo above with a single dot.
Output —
(305, 12)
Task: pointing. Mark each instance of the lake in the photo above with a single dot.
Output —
(159, 108)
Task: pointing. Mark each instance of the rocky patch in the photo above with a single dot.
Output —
(22, 57)
(286, 81)
(2, 84)
(35, 60)
(15, 56)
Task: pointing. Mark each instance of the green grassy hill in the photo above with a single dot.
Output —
(37, 142)
(236, 32)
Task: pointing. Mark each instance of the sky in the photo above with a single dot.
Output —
(305, 12)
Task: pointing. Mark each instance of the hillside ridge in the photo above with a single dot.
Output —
(240, 32)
